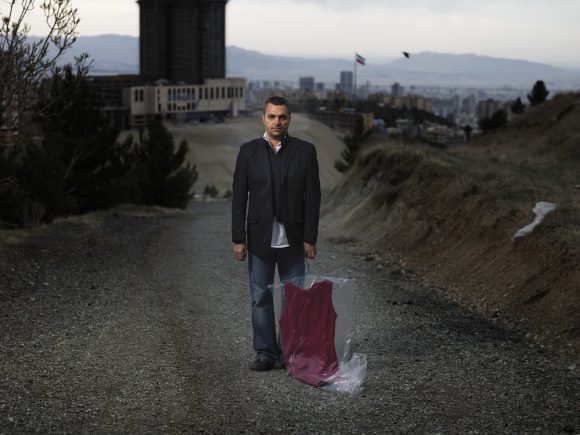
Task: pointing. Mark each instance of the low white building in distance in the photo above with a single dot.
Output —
(216, 97)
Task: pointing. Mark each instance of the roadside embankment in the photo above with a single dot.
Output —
(450, 216)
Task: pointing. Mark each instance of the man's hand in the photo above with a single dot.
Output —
(309, 251)
(240, 251)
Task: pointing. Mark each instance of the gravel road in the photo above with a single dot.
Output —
(128, 324)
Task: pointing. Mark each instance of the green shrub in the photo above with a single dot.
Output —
(165, 177)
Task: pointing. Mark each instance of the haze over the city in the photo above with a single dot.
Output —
(537, 30)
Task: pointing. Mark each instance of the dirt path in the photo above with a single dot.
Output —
(214, 147)
(141, 325)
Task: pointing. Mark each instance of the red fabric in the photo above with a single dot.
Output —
(307, 326)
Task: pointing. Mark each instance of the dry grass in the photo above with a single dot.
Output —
(214, 147)
(452, 216)
(11, 237)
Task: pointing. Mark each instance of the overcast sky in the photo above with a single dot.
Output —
(537, 30)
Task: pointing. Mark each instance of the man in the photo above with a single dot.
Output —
(276, 185)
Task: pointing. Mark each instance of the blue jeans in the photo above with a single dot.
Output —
(261, 271)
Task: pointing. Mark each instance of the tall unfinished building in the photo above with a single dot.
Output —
(182, 40)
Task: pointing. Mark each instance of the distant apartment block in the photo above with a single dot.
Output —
(306, 84)
(346, 82)
(409, 102)
(185, 102)
(182, 67)
(397, 91)
(182, 40)
(109, 91)
(487, 108)
(469, 105)
(441, 134)
(345, 119)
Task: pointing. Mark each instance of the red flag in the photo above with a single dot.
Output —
(360, 59)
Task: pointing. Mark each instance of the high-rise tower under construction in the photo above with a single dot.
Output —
(182, 40)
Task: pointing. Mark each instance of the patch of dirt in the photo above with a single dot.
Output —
(214, 147)
(119, 323)
(12, 237)
(450, 215)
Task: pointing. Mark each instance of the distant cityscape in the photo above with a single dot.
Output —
(187, 74)
(464, 106)
(461, 102)
(454, 109)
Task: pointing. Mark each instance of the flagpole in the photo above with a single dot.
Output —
(357, 59)
(355, 62)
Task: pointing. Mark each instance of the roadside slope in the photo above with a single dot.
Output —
(451, 217)
(139, 322)
(214, 147)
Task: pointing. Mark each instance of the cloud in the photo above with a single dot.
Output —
(440, 6)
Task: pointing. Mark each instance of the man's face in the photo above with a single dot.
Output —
(276, 121)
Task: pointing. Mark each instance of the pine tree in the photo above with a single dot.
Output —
(76, 165)
(166, 178)
(79, 166)
(539, 93)
(348, 155)
(467, 129)
(11, 193)
(25, 63)
(497, 119)
(353, 143)
(518, 106)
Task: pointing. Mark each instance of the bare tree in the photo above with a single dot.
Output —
(25, 62)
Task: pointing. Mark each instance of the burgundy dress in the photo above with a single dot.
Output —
(307, 326)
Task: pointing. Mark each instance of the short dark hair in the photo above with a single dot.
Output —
(277, 101)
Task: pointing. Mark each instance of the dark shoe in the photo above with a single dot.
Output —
(261, 365)
(279, 365)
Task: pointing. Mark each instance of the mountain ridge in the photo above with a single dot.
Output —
(119, 54)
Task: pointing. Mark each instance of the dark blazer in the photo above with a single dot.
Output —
(252, 195)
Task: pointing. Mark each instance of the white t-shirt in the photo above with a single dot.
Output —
(279, 239)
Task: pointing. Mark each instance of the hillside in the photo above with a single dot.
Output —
(214, 147)
(260, 66)
(110, 54)
(476, 70)
(450, 218)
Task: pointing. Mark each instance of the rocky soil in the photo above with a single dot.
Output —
(214, 147)
(451, 216)
(139, 323)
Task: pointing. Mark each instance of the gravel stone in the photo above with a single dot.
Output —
(127, 324)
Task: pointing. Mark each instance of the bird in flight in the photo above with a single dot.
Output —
(407, 55)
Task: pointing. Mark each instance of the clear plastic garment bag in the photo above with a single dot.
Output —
(314, 317)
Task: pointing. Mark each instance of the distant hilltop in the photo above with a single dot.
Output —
(117, 54)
